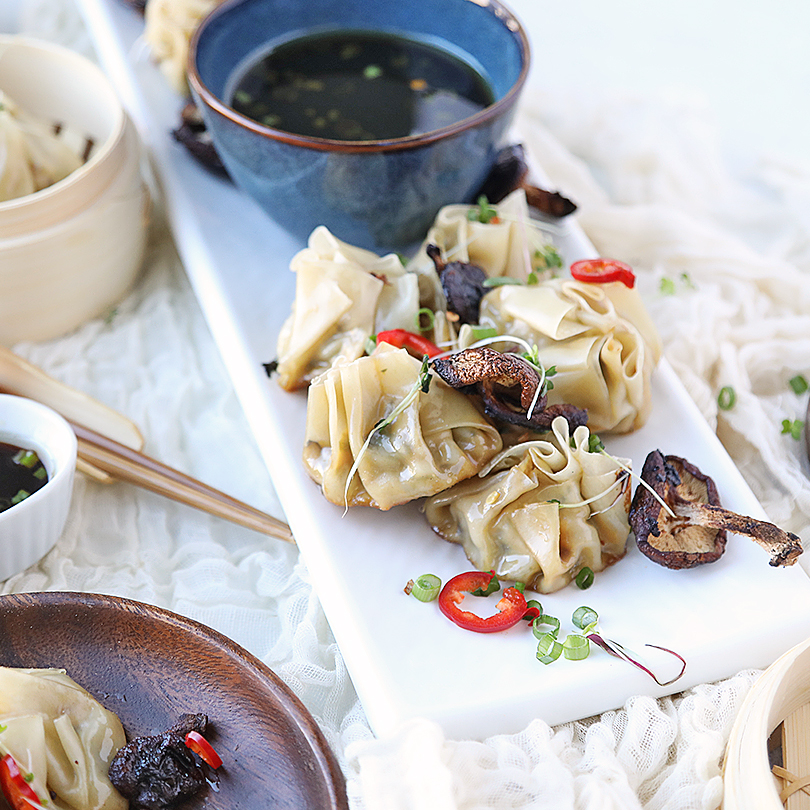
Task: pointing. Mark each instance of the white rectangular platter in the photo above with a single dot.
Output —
(404, 658)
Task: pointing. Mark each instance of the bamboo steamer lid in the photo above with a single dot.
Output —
(748, 783)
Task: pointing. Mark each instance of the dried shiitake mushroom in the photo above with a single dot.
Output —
(507, 385)
(685, 525)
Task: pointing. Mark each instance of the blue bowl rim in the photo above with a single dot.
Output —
(498, 9)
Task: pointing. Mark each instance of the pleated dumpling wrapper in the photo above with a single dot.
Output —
(540, 511)
(343, 295)
(509, 245)
(32, 157)
(60, 734)
(603, 355)
(437, 440)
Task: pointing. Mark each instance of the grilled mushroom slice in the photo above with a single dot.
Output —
(509, 172)
(507, 385)
(691, 529)
(462, 283)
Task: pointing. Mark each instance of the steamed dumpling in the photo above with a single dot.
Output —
(32, 157)
(603, 361)
(169, 26)
(343, 294)
(438, 439)
(58, 732)
(529, 516)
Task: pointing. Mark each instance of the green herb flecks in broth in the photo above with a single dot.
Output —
(21, 474)
(359, 86)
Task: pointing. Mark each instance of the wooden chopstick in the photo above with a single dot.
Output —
(129, 465)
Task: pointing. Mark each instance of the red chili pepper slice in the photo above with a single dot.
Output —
(601, 271)
(19, 794)
(511, 606)
(200, 746)
(403, 339)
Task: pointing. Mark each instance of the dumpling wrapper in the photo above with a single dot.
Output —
(504, 248)
(512, 518)
(343, 295)
(58, 732)
(438, 440)
(32, 157)
(603, 361)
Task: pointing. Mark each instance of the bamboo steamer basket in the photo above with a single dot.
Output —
(778, 706)
(69, 252)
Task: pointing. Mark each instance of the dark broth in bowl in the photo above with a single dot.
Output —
(22, 473)
(359, 86)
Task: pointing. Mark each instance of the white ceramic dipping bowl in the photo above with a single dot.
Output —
(69, 252)
(31, 528)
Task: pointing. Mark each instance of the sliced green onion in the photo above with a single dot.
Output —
(426, 588)
(20, 496)
(584, 579)
(798, 384)
(548, 621)
(430, 319)
(533, 603)
(40, 473)
(726, 398)
(584, 617)
(548, 649)
(26, 458)
(576, 648)
(483, 332)
(502, 281)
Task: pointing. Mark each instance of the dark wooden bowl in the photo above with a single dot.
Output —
(149, 665)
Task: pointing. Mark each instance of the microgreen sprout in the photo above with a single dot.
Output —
(483, 212)
(793, 428)
(547, 257)
(798, 384)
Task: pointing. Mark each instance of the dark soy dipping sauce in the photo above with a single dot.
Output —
(21, 474)
(359, 86)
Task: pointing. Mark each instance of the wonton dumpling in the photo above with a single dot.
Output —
(438, 440)
(58, 732)
(603, 363)
(504, 248)
(512, 518)
(32, 157)
(343, 295)
(168, 28)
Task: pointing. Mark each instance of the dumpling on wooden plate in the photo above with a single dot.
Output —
(540, 511)
(62, 736)
(343, 294)
(437, 440)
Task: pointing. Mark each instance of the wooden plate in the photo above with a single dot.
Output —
(149, 665)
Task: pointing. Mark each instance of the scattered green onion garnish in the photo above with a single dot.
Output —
(372, 72)
(667, 286)
(482, 332)
(726, 398)
(584, 579)
(793, 427)
(424, 588)
(484, 212)
(425, 319)
(20, 496)
(549, 621)
(548, 649)
(584, 617)
(798, 384)
(501, 281)
(576, 647)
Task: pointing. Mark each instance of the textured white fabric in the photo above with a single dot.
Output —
(653, 190)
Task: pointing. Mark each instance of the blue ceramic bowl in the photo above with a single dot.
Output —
(376, 194)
